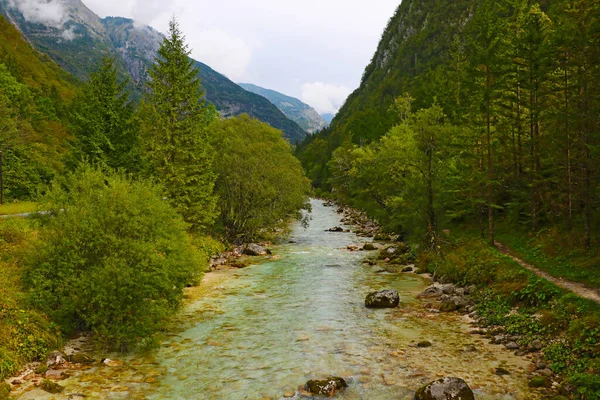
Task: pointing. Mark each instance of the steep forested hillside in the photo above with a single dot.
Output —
(79, 39)
(301, 113)
(519, 82)
(33, 91)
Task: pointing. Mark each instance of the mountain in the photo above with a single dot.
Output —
(328, 117)
(417, 40)
(77, 39)
(303, 114)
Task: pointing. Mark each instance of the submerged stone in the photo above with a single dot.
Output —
(326, 386)
(445, 389)
(51, 387)
(382, 299)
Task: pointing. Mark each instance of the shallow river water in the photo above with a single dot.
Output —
(263, 331)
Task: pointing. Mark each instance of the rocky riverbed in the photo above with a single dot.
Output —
(299, 315)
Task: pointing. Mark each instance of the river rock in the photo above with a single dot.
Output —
(430, 292)
(326, 386)
(382, 299)
(445, 389)
(512, 346)
(448, 288)
(336, 229)
(55, 358)
(81, 358)
(254, 249)
(51, 387)
(55, 374)
(369, 247)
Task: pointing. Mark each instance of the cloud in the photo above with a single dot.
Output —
(50, 13)
(324, 97)
(226, 53)
(69, 34)
(144, 12)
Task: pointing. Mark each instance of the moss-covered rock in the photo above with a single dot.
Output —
(51, 387)
(81, 358)
(382, 299)
(445, 389)
(539, 381)
(326, 386)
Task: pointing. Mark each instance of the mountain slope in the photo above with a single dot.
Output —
(303, 114)
(417, 39)
(77, 39)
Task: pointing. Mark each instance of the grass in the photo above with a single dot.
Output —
(18, 208)
(25, 334)
(557, 253)
(528, 307)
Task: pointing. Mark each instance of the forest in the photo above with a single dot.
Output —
(130, 199)
(511, 135)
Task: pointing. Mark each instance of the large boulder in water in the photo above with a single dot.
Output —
(255, 250)
(445, 389)
(382, 299)
(326, 386)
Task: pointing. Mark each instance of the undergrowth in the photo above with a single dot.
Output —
(528, 307)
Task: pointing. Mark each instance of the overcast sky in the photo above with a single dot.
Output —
(315, 50)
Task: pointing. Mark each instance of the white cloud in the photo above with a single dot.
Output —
(270, 42)
(69, 34)
(226, 53)
(324, 97)
(51, 13)
(144, 12)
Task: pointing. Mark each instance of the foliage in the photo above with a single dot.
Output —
(400, 179)
(27, 155)
(519, 81)
(102, 121)
(112, 257)
(25, 334)
(260, 183)
(175, 124)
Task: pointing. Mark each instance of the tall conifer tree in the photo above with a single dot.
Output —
(102, 121)
(175, 123)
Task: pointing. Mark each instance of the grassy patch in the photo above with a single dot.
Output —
(25, 334)
(528, 307)
(18, 208)
(556, 253)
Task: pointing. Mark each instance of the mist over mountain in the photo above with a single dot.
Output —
(77, 39)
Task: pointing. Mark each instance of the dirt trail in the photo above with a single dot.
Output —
(578, 288)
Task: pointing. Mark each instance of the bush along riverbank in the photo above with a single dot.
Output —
(558, 331)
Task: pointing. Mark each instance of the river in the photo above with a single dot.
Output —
(263, 331)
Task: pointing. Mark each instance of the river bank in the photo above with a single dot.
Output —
(263, 331)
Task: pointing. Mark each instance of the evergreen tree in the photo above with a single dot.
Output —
(175, 123)
(102, 121)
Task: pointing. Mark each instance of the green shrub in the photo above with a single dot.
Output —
(538, 292)
(112, 257)
(588, 385)
(260, 183)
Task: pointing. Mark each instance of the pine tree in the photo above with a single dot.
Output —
(102, 121)
(175, 123)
